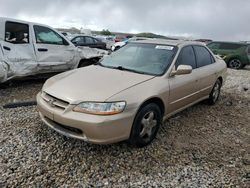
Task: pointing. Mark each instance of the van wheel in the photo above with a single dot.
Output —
(215, 93)
(146, 125)
(235, 64)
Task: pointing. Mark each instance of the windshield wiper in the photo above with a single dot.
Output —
(130, 70)
(122, 68)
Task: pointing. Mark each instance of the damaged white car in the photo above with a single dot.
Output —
(28, 49)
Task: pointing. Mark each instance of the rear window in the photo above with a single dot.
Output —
(230, 46)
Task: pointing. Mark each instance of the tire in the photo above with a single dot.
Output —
(215, 93)
(235, 64)
(86, 62)
(117, 48)
(146, 125)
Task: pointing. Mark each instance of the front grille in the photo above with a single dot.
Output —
(54, 102)
(64, 127)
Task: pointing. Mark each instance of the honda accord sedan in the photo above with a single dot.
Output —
(127, 95)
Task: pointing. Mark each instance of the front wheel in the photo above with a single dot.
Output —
(146, 125)
(215, 93)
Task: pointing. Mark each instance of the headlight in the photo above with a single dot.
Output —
(99, 108)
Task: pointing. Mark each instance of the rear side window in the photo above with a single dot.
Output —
(248, 49)
(186, 57)
(16, 33)
(203, 56)
(45, 35)
(230, 46)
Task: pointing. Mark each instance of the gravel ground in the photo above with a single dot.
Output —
(199, 147)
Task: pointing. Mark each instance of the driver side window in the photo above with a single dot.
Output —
(45, 35)
(186, 57)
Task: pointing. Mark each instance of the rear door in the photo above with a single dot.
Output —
(184, 88)
(206, 70)
(18, 49)
(54, 53)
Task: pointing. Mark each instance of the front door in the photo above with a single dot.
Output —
(184, 88)
(53, 52)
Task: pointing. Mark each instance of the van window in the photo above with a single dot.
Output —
(45, 35)
(203, 56)
(186, 57)
(16, 33)
(230, 46)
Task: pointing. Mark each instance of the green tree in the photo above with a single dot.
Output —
(105, 32)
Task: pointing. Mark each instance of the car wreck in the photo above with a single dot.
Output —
(28, 48)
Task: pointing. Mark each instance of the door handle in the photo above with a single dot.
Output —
(42, 49)
(6, 48)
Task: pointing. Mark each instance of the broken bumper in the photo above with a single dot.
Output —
(90, 128)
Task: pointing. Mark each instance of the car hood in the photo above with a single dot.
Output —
(93, 83)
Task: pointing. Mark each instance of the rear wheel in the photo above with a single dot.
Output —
(146, 125)
(235, 64)
(215, 93)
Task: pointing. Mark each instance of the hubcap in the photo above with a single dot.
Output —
(235, 63)
(148, 123)
(216, 92)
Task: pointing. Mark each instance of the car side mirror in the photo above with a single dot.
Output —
(182, 69)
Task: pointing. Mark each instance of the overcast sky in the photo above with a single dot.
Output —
(215, 19)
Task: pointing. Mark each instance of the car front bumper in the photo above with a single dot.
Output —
(90, 128)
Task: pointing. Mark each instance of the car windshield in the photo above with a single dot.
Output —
(152, 59)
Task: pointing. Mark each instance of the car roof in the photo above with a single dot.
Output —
(227, 42)
(169, 42)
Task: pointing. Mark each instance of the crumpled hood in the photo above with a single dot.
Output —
(93, 83)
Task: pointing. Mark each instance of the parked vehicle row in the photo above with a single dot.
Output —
(124, 96)
(118, 45)
(129, 93)
(88, 41)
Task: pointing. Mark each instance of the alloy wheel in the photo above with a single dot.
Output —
(235, 64)
(149, 123)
